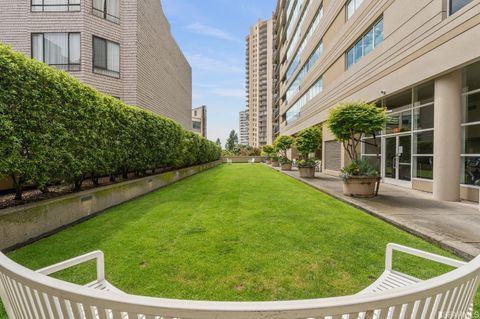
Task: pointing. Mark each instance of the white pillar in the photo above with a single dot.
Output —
(448, 137)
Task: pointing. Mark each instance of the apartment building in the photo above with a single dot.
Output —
(243, 127)
(199, 120)
(123, 48)
(260, 82)
(417, 58)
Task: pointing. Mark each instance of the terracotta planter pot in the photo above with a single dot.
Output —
(275, 164)
(307, 172)
(360, 186)
(287, 167)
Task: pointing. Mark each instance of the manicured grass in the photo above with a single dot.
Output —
(236, 232)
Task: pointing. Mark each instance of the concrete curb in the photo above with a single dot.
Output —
(458, 248)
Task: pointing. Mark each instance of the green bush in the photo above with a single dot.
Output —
(308, 141)
(53, 128)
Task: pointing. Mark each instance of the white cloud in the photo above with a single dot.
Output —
(229, 92)
(205, 63)
(209, 31)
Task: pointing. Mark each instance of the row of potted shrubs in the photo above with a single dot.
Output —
(307, 142)
(350, 123)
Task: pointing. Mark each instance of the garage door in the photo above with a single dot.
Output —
(333, 155)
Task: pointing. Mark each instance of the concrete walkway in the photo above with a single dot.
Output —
(454, 226)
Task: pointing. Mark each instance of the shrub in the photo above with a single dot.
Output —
(268, 151)
(308, 141)
(359, 167)
(55, 128)
(352, 121)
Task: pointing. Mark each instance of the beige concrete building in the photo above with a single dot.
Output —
(243, 126)
(124, 48)
(418, 58)
(199, 120)
(260, 82)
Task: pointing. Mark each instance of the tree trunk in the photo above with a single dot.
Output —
(112, 178)
(18, 183)
(78, 184)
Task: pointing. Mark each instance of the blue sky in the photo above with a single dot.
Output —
(212, 34)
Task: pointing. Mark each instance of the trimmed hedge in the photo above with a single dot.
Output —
(53, 128)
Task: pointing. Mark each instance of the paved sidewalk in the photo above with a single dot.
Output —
(454, 226)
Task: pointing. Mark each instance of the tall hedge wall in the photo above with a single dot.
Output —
(55, 128)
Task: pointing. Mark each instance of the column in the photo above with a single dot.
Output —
(448, 137)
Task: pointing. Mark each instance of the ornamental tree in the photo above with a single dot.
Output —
(308, 141)
(351, 121)
(268, 150)
(283, 143)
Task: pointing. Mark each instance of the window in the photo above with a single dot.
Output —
(370, 40)
(107, 9)
(55, 5)
(61, 50)
(471, 126)
(456, 5)
(106, 57)
(197, 125)
(294, 112)
(295, 86)
(352, 6)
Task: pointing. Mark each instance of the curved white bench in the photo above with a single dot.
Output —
(29, 294)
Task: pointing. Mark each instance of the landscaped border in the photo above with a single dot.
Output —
(24, 224)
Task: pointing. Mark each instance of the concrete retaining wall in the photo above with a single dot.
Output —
(243, 159)
(24, 224)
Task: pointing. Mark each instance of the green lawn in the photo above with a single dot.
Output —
(236, 232)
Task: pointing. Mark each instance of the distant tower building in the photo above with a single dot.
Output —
(244, 127)
(260, 81)
(199, 120)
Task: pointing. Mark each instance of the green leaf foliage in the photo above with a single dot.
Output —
(283, 143)
(55, 128)
(351, 121)
(308, 141)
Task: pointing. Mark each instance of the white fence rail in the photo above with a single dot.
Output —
(27, 294)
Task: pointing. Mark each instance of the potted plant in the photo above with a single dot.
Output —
(308, 141)
(275, 161)
(282, 144)
(268, 151)
(350, 123)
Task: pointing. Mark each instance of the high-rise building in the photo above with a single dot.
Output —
(243, 127)
(199, 120)
(124, 48)
(259, 66)
(419, 59)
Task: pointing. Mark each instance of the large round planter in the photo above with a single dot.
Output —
(275, 164)
(360, 186)
(307, 172)
(268, 162)
(287, 167)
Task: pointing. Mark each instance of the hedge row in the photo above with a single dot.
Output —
(53, 128)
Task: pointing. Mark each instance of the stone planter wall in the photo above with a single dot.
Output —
(27, 223)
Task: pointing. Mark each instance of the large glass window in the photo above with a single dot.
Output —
(471, 126)
(106, 57)
(352, 6)
(408, 138)
(55, 5)
(370, 40)
(456, 5)
(61, 50)
(295, 86)
(293, 113)
(107, 9)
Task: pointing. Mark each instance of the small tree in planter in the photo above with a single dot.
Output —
(268, 151)
(282, 144)
(350, 122)
(308, 141)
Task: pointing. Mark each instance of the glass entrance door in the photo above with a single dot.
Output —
(398, 159)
